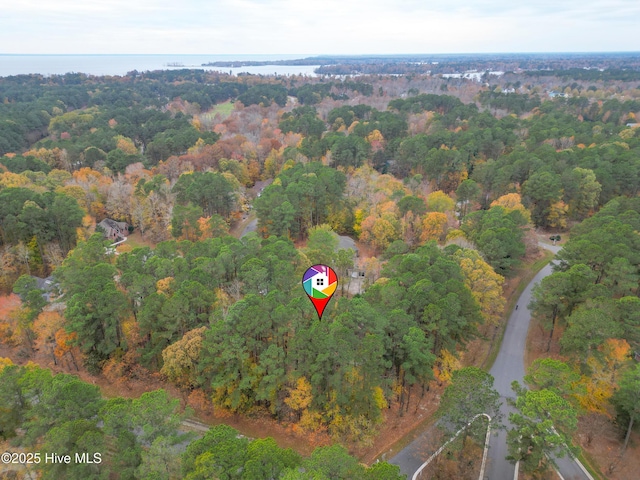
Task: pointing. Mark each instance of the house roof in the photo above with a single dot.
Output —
(107, 222)
(45, 284)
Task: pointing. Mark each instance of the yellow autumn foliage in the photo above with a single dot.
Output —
(485, 284)
(300, 397)
(597, 389)
(446, 365)
(164, 286)
(13, 180)
(512, 202)
(557, 217)
(181, 358)
(434, 227)
(455, 233)
(439, 201)
(126, 145)
(5, 362)
(379, 399)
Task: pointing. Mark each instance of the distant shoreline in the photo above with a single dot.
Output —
(122, 64)
(336, 65)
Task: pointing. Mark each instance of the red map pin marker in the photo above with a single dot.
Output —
(320, 283)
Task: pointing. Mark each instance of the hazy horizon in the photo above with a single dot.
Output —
(264, 26)
(295, 56)
(121, 63)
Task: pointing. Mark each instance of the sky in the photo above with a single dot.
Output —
(311, 27)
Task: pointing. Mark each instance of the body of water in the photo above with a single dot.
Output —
(477, 76)
(121, 64)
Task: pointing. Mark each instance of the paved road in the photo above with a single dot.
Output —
(416, 453)
(256, 190)
(509, 366)
(251, 227)
(346, 243)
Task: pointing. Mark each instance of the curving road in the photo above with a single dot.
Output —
(509, 366)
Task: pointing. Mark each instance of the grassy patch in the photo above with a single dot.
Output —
(224, 109)
(135, 240)
(588, 463)
(526, 273)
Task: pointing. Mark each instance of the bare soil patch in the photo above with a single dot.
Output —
(461, 460)
(397, 431)
(8, 303)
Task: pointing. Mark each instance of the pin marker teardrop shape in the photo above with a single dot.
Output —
(320, 283)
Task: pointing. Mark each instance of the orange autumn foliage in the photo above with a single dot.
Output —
(45, 326)
(64, 342)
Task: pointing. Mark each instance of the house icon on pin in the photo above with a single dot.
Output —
(320, 281)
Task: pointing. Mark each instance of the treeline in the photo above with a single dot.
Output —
(39, 224)
(564, 166)
(511, 102)
(223, 453)
(590, 74)
(31, 103)
(621, 65)
(27, 215)
(141, 438)
(461, 141)
(75, 111)
(591, 305)
(399, 68)
(56, 414)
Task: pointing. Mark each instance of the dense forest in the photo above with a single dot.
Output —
(141, 438)
(442, 182)
(592, 66)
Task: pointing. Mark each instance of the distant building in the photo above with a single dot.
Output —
(356, 273)
(47, 285)
(44, 283)
(114, 230)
